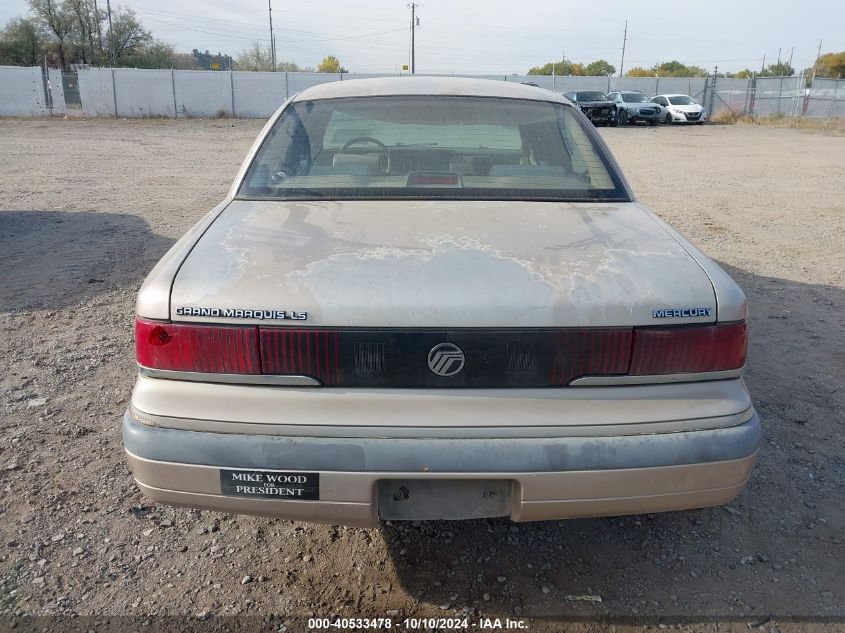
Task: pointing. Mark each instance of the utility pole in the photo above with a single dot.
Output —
(272, 39)
(763, 67)
(111, 37)
(624, 42)
(414, 22)
(791, 53)
(778, 57)
(816, 65)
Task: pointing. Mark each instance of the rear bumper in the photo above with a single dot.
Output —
(549, 477)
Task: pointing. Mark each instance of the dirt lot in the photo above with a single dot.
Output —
(89, 206)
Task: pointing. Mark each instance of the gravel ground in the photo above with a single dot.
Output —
(89, 206)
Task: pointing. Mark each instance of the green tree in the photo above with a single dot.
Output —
(778, 69)
(22, 42)
(675, 68)
(561, 68)
(156, 54)
(830, 65)
(184, 61)
(68, 31)
(639, 71)
(599, 68)
(744, 74)
(330, 64)
(209, 61)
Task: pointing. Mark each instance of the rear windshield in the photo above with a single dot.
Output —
(635, 97)
(431, 147)
(592, 96)
(682, 100)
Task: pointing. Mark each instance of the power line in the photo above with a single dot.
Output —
(254, 37)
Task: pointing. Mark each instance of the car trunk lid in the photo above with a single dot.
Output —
(440, 264)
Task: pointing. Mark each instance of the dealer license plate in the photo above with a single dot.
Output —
(270, 484)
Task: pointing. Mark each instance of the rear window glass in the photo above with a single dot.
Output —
(592, 96)
(431, 147)
(682, 100)
(634, 97)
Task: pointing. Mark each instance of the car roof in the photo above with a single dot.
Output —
(427, 86)
(672, 94)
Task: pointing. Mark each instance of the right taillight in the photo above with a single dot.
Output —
(688, 349)
(198, 348)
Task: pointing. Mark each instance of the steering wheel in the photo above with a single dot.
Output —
(382, 149)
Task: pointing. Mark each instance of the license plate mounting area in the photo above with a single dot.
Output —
(431, 499)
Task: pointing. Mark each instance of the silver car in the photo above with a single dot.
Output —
(632, 106)
(437, 298)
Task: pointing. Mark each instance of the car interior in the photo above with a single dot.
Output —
(400, 143)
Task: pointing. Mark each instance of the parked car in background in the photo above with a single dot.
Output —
(437, 298)
(680, 109)
(632, 106)
(595, 104)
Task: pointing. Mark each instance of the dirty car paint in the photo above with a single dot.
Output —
(443, 263)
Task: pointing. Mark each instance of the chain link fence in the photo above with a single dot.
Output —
(129, 92)
(826, 99)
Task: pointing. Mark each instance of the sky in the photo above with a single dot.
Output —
(499, 36)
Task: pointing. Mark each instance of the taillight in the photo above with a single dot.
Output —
(589, 352)
(402, 358)
(688, 349)
(199, 348)
(295, 351)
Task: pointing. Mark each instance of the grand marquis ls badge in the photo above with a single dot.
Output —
(243, 313)
(446, 359)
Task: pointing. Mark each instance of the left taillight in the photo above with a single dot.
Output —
(198, 348)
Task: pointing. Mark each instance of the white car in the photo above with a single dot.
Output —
(680, 109)
(437, 298)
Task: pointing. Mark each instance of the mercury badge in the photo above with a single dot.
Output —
(243, 313)
(684, 313)
(446, 359)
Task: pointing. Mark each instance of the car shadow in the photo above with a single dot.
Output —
(750, 559)
(50, 259)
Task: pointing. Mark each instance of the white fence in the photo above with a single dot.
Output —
(129, 92)
(22, 91)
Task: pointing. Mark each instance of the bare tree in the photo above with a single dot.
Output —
(86, 22)
(58, 20)
(128, 34)
(256, 57)
(259, 57)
